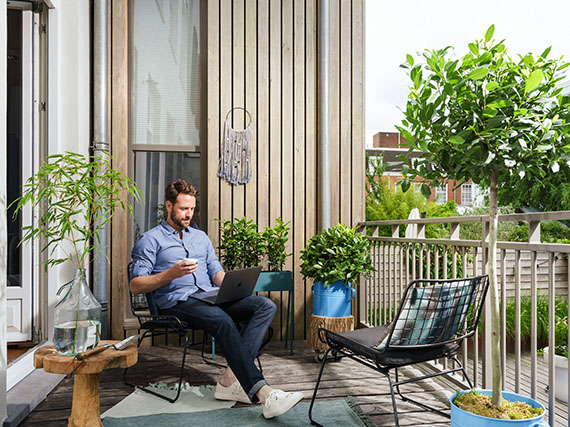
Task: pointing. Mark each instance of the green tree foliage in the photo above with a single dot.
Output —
(486, 117)
(519, 192)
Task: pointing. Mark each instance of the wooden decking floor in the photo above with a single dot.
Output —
(292, 373)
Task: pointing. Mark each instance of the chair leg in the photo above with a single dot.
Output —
(416, 379)
(171, 400)
(209, 362)
(313, 422)
(394, 407)
(465, 376)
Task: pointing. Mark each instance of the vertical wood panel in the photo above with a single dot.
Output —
(357, 119)
(299, 120)
(251, 105)
(274, 110)
(226, 72)
(238, 89)
(345, 153)
(212, 146)
(334, 118)
(120, 145)
(310, 141)
(275, 121)
(263, 113)
(287, 124)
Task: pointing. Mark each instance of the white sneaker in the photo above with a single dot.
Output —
(278, 402)
(231, 392)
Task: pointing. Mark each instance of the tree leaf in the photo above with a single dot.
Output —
(491, 86)
(533, 81)
(456, 139)
(489, 33)
(410, 59)
(426, 191)
(405, 185)
(478, 73)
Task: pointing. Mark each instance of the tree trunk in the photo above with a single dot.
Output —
(494, 295)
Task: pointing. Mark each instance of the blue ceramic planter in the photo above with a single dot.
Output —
(461, 418)
(334, 300)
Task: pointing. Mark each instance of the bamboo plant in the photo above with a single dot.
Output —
(76, 196)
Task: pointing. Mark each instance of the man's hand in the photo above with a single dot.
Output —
(144, 284)
(182, 268)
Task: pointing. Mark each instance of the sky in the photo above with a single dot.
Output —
(394, 28)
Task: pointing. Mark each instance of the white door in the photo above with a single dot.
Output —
(21, 121)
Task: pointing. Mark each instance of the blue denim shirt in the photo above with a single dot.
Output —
(160, 248)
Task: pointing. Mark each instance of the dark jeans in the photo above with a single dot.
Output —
(240, 350)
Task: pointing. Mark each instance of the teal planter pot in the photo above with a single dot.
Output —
(334, 300)
(461, 418)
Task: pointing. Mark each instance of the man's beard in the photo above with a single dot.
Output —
(178, 221)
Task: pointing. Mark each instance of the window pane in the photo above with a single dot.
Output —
(153, 171)
(441, 194)
(466, 194)
(166, 73)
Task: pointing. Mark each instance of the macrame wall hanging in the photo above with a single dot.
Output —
(235, 159)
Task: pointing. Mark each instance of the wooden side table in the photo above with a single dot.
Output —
(85, 410)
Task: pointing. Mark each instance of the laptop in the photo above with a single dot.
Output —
(237, 284)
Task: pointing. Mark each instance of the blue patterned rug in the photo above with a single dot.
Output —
(333, 413)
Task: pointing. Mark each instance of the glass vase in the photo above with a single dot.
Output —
(77, 317)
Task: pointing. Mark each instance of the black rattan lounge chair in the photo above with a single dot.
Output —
(434, 317)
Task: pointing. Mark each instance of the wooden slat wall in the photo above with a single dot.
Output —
(263, 55)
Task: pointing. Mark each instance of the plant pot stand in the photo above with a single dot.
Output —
(335, 324)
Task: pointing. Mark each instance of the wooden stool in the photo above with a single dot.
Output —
(85, 411)
(335, 324)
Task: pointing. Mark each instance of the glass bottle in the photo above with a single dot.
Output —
(77, 317)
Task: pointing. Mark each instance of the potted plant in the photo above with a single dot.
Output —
(75, 196)
(242, 245)
(335, 258)
(485, 117)
(560, 359)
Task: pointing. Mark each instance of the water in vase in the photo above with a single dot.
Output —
(74, 337)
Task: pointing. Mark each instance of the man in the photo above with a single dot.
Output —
(163, 262)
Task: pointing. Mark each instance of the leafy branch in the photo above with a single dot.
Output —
(76, 197)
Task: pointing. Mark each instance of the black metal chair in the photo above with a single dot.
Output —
(434, 317)
(144, 308)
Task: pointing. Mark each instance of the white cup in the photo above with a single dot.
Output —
(191, 260)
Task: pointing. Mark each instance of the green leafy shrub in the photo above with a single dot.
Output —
(242, 245)
(275, 240)
(337, 253)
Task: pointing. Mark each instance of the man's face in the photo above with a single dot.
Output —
(181, 212)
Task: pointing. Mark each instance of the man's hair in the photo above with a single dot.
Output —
(180, 186)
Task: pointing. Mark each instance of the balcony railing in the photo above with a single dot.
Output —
(523, 269)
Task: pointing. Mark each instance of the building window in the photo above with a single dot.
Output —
(153, 171)
(165, 102)
(441, 194)
(165, 82)
(467, 194)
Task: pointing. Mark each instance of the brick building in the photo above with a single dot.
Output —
(391, 145)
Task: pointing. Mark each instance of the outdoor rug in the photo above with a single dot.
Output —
(329, 413)
(192, 399)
